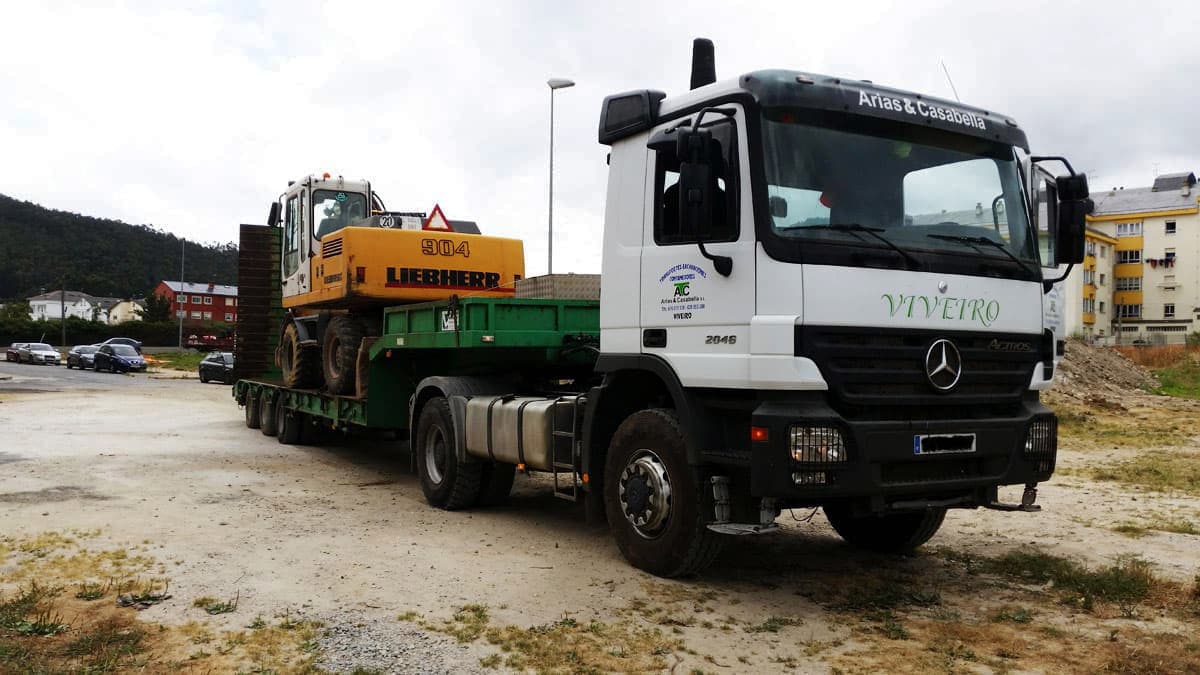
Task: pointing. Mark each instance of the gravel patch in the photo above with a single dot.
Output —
(386, 645)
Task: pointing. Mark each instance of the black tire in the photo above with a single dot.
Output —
(447, 483)
(266, 416)
(287, 423)
(300, 365)
(252, 421)
(647, 454)
(203, 378)
(896, 533)
(495, 483)
(339, 353)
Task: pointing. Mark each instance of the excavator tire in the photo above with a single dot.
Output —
(339, 352)
(300, 364)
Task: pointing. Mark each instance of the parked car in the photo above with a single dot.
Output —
(13, 353)
(81, 356)
(39, 352)
(118, 358)
(217, 366)
(124, 341)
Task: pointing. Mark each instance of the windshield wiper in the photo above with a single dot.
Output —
(990, 242)
(913, 263)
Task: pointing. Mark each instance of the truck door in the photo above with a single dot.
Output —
(692, 316)
(293, 261)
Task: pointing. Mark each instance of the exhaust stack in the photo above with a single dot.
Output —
(704, 66)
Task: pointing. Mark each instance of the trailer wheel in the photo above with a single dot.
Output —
(496, 483)
(266, 415)
(301, 364)
(654, 497)
(447, 483)
(252, 421)
(339, 352)
(287, 423)
(897, 533)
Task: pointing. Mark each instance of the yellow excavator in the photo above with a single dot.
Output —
(344, 257)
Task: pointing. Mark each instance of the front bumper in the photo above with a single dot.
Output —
(878, 459)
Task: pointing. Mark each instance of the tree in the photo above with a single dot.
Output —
(17, 309)
(157, 308)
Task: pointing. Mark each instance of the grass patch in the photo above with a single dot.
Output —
(1155, 470)
(1126, 583)
(566, 645)
(189, 360)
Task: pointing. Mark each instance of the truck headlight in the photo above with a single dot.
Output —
(815, 449)
(1041, 444)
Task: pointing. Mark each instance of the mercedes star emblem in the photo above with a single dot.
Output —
(943, 365)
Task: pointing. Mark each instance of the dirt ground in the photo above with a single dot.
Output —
(338, 539)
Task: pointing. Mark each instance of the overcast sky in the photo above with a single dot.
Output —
(193, 120)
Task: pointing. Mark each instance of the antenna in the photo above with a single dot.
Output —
(952, 88)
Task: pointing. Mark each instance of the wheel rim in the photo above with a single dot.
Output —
(644, 490)
(435, 454)
(331, 359)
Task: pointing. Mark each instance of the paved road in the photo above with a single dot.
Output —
(29, 377)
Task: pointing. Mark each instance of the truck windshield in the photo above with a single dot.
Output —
(867, 183)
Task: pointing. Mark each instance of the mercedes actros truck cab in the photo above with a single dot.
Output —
(839, 300)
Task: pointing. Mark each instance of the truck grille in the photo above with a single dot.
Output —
(887, 367)
(331, 248)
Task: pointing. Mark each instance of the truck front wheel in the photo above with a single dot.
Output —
(896, 533)
(447, 483)
(654, 498)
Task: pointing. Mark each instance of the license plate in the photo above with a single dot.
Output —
(943, 444)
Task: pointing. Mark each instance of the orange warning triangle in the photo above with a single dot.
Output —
(437, 221)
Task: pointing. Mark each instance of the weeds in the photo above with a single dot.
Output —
(1020, 615)
(215, 606)
(92, 591)
(773, 624)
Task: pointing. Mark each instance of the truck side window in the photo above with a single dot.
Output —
(291, 238)
(668, 229)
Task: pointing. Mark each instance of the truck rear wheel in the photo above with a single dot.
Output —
(896, 533)
(653, 497)
(300, 364)
(447, 483)
(266, 416)
(252, 420)
(339, 352)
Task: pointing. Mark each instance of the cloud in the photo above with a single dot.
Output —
(195, 119)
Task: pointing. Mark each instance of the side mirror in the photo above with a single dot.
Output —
(273, 216)
(779, 207)
(1071, 217)
(698, 152)
(695, 150)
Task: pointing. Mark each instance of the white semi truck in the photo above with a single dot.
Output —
(815, 292)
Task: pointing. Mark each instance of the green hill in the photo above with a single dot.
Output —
(38, 246)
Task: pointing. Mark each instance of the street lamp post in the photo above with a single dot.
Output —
(553, 83)
(182, 252)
